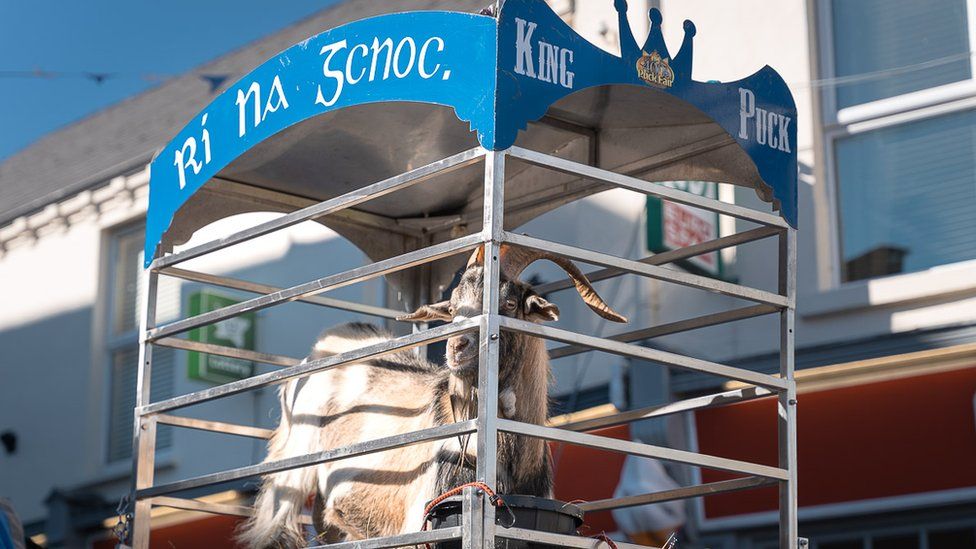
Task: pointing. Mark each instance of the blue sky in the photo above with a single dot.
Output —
(127, 37)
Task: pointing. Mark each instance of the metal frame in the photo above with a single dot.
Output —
(478, 528)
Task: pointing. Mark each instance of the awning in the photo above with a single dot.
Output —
(378, 97)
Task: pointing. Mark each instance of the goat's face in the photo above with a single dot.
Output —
(516, 299)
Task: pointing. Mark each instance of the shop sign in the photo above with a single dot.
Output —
(671, 226)
(237, 332)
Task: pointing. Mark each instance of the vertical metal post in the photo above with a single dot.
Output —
(422, 294)
(144, 428)
(788, 523)
(488, 345)
(472, 513)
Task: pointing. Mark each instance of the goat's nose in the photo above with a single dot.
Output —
(461, 344)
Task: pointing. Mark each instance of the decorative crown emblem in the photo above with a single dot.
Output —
(655, 70)
(658, 68)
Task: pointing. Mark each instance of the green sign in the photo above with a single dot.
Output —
(671, 226)
(236, 332)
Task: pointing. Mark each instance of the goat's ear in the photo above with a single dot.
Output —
(434, 311)
(537, 309)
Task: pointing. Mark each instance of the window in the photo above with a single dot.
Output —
(900, 132)
(848, 544)
(122, 342)
(932, 537)
(951, 538)
(907, 195)
(922, 45)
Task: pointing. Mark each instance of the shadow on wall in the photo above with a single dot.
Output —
(46, 395)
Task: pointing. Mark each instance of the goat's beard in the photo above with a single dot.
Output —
(463, 364)
(464, 360)
(463, 367)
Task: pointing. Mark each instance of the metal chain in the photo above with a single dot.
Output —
(122, 528)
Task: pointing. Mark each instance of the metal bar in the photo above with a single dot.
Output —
(669, 256)
(786, 421)
(589, 132)
(146, 456)
(660, 410)
(643, 450)
(641, 186)
(567, 126)
(635, 168)
(686, 492)
(652, 271)
(672, 328)
(402, 540)
(277, 201)
(313, 366)
(214, 508)
(488, 342)
(347, 200)
(147, 322)
(202, 506)
(369, 220)
(254, 287)
(561, 540)
(472, 518)
(232, 352)
(358, 449)
(359, 274)
(672, 156)
(144, 429)
(643, 353)
(215, 426)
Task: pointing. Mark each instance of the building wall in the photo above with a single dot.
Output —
(46, 364)
(55, 367)
(54, 388)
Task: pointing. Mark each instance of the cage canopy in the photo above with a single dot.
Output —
(374, 98)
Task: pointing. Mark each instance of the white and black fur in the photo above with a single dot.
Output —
(384, 493)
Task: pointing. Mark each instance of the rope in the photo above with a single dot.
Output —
(494, 498)
(602, 536)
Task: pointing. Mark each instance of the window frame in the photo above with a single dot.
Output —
(835, 124)
(116, 341)
(111, 342)
(834, 117)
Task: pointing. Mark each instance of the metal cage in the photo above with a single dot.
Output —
(584, 156)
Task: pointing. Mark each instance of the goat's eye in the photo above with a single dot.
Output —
(452, 311)
(510, 304)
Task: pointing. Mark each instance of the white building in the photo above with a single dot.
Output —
(886, 324)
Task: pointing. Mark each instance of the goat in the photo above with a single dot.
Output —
(383, 494)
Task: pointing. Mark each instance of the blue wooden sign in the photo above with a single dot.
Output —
(498, 74)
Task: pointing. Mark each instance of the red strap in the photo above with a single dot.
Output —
(495, 499)
(602, 536)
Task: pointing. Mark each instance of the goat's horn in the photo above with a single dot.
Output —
(514, 260)
(477, 258)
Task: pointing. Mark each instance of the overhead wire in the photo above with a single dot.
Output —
(215, 80)
(100, 77)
